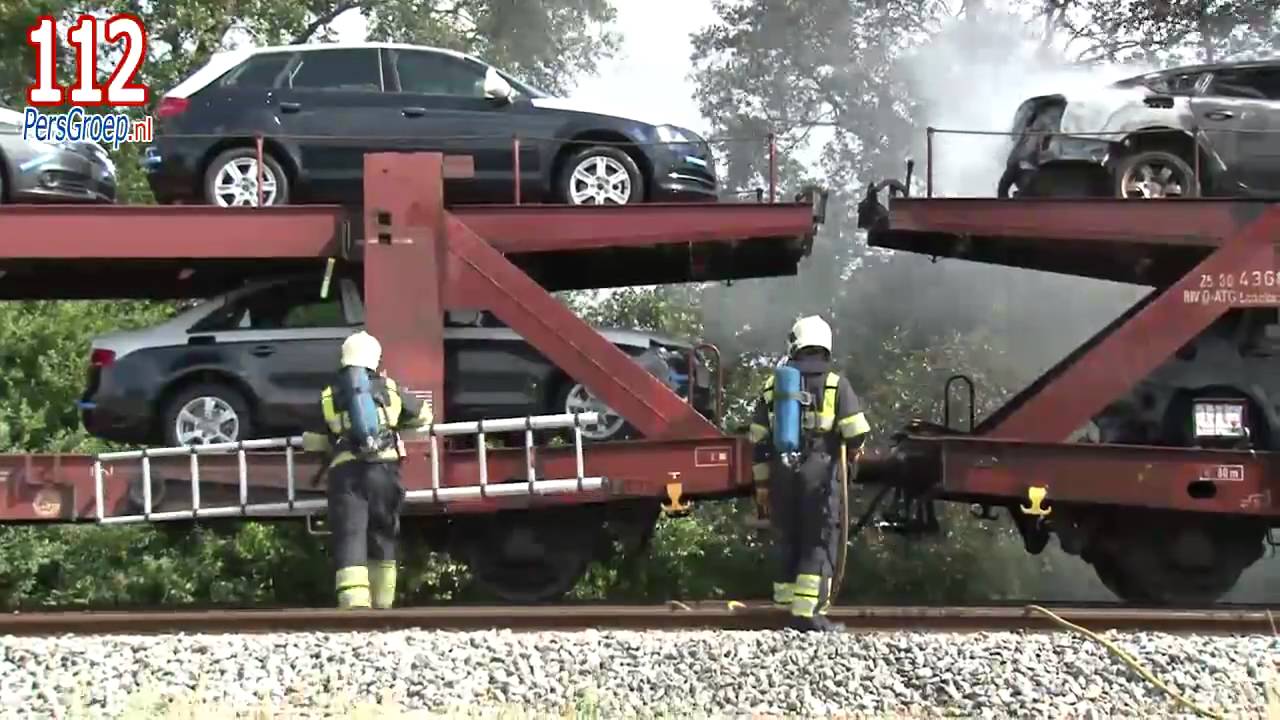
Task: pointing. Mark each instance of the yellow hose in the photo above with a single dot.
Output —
(1132, 663)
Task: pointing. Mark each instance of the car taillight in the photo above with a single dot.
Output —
(171, 106)
(101, 358)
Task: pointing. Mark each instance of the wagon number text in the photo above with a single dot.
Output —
(1248, 278)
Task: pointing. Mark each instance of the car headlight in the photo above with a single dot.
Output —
(673, 134)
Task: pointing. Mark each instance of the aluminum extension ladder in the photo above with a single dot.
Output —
(293, 506)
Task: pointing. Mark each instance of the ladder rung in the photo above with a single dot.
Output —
(540, 487)
(293, 506)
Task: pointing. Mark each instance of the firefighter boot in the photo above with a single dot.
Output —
(810, 604)
(353, 587)
(382, 583)
(817, 623)
(783, 593)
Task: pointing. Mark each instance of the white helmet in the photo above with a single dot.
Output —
(810, 331)
(361, 350)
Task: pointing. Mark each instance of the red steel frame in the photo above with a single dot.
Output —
(420, 259)
(1022, 445)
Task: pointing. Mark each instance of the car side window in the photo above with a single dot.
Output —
(1255, 84)
(294, 309)
(430, 73)
(347, 69)
(260, 71)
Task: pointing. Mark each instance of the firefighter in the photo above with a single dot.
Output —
(800, 491)
(364, 450)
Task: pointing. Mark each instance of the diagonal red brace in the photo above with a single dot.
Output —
(479, 276)
(1141, 345)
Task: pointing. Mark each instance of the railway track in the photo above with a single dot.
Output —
(673, 616)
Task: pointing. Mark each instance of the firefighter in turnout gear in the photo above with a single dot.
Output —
(798, 486)
(363, 411)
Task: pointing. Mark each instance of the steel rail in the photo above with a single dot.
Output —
(673, 616)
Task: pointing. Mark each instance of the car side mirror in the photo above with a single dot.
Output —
(496, 87)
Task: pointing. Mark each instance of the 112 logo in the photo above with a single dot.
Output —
(83, 36)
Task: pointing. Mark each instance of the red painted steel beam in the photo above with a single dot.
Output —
(1235, 483)
(1181, 222)
(404, 269)
(75, 232)
(544, 228)
(52, 488)
(479, 276)
(1150, 338)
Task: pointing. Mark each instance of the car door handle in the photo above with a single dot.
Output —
(1219, 115)
(413, 111)
(290, 107)
(263, 350)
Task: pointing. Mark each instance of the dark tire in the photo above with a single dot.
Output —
(1154, 175)
(240, 165)
(221, 398)
(529, 557)
(1158, 559)
(603, 166)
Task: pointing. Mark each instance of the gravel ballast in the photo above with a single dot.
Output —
(708, 673)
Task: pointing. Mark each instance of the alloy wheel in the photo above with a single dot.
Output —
(205, 420)
(600, 180)
(581, 400)
(1153, 179)
(236, 184)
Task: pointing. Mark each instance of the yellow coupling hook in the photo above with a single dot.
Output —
(1036, 496)
(674, 506)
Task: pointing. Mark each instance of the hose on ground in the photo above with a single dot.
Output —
(1132, 662)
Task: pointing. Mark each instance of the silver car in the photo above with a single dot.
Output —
(1203, 130)
(32, 171)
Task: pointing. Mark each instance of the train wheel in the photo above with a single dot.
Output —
(1167, 559)
(530, 557)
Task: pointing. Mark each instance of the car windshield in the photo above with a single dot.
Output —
(1170, 82)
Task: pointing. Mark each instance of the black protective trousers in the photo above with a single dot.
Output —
(365, 499)
(804, 505)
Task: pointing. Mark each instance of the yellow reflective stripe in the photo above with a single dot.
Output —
(394, 407)
(760, 471)
(389, 455)
(768, 382)
(805, 603)
(854, 425)
(382, 583)
(827, 417)
(758, 432)
(353, 587)
(331, 418)
(783, 593)
(808, 584)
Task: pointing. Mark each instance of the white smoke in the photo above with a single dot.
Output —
(973, 76)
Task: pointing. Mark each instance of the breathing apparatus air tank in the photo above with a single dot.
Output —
(362, 410)
(786, 409)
